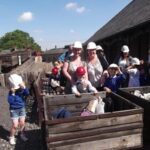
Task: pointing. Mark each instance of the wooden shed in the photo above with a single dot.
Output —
(53, 54)
(131, 26)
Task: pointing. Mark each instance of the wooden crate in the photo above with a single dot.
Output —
(128, 93)
(2, 80)
(119, 130)
(38, 86)
(41, 88)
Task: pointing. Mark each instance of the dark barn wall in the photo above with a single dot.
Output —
(138, 40)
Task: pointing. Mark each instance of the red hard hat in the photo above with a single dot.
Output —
(55, 70)
(80, 71)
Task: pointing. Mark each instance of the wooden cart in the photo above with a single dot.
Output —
(119, 130)
(128, 93)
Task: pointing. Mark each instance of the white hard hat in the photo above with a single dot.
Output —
(125, 49)
(77, 44)
(15, 80)
(98, 47)
(113, 66)
(91, 45)
(135, 61)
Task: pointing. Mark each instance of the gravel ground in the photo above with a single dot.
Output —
(32, 129)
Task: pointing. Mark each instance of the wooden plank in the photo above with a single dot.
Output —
(2, 80)
(91, 124)
(95, 137)
(93, 132)
(118, 143)
(71, 98)
(93, 117)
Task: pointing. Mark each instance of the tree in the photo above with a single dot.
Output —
(18, 39)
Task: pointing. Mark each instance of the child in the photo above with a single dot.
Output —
(82, 85)
(114, 80)
(95, 106)
(55, 80)
(16, 100)
(134, 73)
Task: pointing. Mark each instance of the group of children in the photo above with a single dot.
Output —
(111, 80)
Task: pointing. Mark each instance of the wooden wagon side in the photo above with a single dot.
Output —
(39, 97)
(121, 129)
(128, 93)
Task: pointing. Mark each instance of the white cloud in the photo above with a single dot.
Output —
(75, 7)
(80, 9)
(72, 31)
(25, 17)
(71, 6)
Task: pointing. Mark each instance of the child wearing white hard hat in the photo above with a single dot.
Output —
(16, 100)
(134, 73)
(115, 78)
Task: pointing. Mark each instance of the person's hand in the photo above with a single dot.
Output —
(119, 70)
(95, 93)
(141, 62)
(78, 94)
(22, 85)
(106, 74)
(12, 90)
(108, 90)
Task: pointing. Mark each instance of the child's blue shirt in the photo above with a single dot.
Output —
(114, 83)
(17, 100)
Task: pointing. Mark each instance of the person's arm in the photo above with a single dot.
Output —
(105, 86)
(25, 91)
(75, 90)
(86, 74)
(11, 99)
(65, 71)
(61, 58)
(108, 90)
(91, 88)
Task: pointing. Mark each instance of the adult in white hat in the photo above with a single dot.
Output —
(70, 66)
(125, 59)
(94, 66)
(124, 62)
(102, 57)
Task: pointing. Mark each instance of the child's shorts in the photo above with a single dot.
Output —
(18, 113)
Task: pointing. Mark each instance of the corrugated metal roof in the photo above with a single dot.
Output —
(135, 13)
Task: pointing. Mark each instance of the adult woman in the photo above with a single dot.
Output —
(70, 66)
(124, 62)
(94, 67)
(125, 59)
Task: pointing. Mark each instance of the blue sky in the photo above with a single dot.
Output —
(57, 22)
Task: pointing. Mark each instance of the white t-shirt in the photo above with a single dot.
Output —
(83, 86)
(94, 73)
(134, 76)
